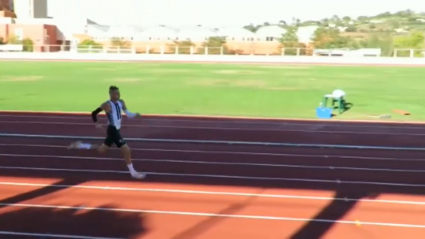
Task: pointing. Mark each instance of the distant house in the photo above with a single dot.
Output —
(195, 34)
(305, 34)
(97, 32)
(270, 33)
(342, 29)
(401, 30)
(235, 34)
(157, 33)
(122, 32)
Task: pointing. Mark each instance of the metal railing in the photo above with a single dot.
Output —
(195, 50)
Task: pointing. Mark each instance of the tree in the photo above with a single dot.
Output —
(12, 39)
(119, 43)
(346, 18)
(290, 40)
(215, 44)
(2, 41)
(183, 47)
(335, 18)
(28, 45)
(362, 19)
(395, 24)
(415, 40)
(384, 15)
(351, 29)
(90, 43)
(383, 41)
(411, 19)
(282, 22)
(324, 38)
(297, 22)
(251, 27)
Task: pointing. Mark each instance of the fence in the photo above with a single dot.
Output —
(241, 59)
(164, 49)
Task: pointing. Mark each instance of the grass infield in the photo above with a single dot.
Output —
(212, 89)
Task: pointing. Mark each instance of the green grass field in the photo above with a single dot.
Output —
(212, 89)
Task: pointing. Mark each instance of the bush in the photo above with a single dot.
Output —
(28, 45)
(90, 43)
(351, 29)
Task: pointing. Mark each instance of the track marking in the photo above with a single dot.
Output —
(178, 161)
(200, 214)
(181, 191)
(228, 120)
(221, 142)
(217, 176)
(235, 153)
(220, 128)
(42, 235)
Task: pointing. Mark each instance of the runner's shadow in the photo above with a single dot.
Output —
(44, 191)
(210, 222)
(100, 222)
(325, 219)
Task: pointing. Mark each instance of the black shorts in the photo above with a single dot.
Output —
(113, 136)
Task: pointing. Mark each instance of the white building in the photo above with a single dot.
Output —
(157, 33)
(122, 32)
(236, 34)
(270, 33)
(305, 34)
(195, 34)
(28, 9)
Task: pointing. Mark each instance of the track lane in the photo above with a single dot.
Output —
(180, 121)
(235, 134)
(163, 203)
(404, 213)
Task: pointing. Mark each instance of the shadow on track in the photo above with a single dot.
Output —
(88, 223)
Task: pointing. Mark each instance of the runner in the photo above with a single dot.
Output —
(113, 109)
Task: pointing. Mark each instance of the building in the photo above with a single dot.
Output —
(29, 9)
(6, 5)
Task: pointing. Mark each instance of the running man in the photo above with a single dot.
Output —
(113, 108)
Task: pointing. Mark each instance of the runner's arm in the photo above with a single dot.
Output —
(128, 113)
(106, 107)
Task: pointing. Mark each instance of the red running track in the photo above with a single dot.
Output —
(211, 190)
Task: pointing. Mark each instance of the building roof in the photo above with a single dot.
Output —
(158, 31)
(122, 31)
(270, 31)
(235, 32)
(196, 32)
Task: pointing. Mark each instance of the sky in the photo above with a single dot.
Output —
(219, 13)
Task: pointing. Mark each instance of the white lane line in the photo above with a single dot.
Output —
(220, 128)
(337, 181)
(348, 124)
(181, 161)
(235, 153)
(222, 142)
(197, 192)
(43, 235)
(201, 214)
